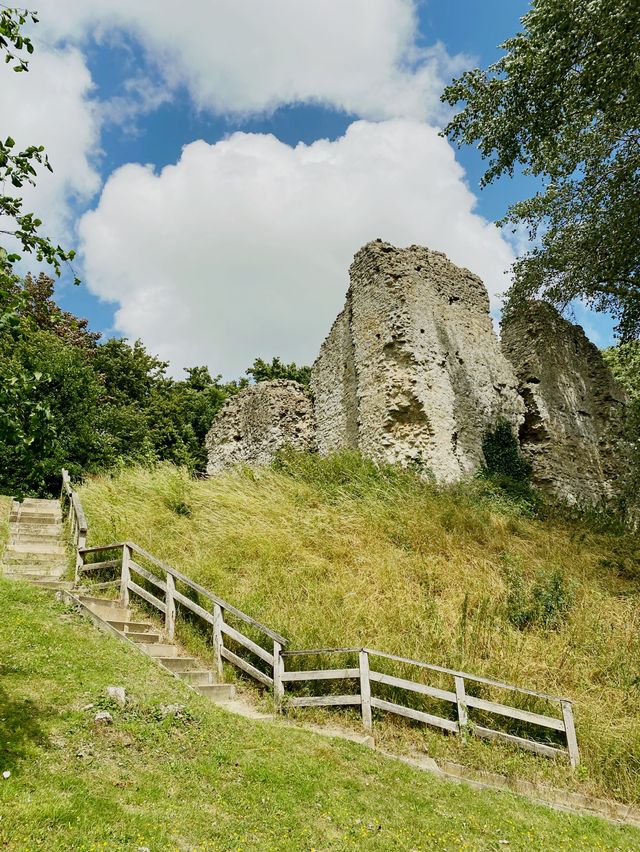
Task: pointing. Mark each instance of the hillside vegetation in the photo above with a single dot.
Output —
(206, 779)
(335, 553)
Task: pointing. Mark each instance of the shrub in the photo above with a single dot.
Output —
(545, 603)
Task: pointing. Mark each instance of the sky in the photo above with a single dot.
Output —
(217, 164)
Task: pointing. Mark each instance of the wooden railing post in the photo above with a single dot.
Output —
(217, 640)
(82, 542)
(125, 575)
(365, 690)
(170, 604)
(461, 702)
(278, 671)
(570, 731)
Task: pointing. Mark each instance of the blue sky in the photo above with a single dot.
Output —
(203, 270)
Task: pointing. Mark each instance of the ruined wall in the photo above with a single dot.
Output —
(412, 370)
(572, 428)
(253, 425)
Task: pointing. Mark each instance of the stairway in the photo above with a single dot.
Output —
(151, 641)
(35, 550)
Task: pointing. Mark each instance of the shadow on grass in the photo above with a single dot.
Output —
(20, 727)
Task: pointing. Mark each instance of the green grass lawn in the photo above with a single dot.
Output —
(212, 780)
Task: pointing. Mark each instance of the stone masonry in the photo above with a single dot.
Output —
(253, 425)
(412, 370)
(572, 426)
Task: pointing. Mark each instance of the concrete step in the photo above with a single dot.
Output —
(158, 649)
(196, 677)
(32, 568)
(51, 583)
(10, 558)
(109, 610)
(179, 664)
(40, 501)
(51, 540)
(144, 638)
(45, 549)
(37, 529)
(135, 626)
(217, 691)
(35, 518)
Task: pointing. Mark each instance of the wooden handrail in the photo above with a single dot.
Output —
(275, 661)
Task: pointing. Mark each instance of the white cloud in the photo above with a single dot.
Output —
(49, 106)
(242, 248)
(250, 56)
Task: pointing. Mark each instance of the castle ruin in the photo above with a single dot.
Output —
(412, 372)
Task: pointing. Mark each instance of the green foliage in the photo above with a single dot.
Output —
(563, 102)
(261, 371)
(545, 603)
(506, 469)
(624, 363)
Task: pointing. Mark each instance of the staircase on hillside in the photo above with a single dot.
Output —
(153, 642)
(35, 550)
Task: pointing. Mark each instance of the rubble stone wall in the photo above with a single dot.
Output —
(412, 370)
(253, 425)
(572, 429)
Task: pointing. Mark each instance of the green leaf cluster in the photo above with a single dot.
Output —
(563, 104)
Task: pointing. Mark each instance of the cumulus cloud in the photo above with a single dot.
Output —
(50, 106)
(242, 248)
(250, 56)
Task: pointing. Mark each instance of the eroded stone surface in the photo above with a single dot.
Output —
(412, 370)
(573, 421)
(253, 425)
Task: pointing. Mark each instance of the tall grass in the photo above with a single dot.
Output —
(336, 552)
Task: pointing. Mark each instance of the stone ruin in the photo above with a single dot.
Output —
(254, 424)
(412, 372)
(572, 426)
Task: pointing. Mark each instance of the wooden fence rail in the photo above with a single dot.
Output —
(268, 666)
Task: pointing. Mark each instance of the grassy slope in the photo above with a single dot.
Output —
(212, 780)
(333, 554)
(5, 504)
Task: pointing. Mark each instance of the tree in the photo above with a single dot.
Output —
(563, 103)
(261, 371)
(624, 363)
(18, 168)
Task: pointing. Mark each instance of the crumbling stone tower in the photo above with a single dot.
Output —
(412, 370)
(572, 432)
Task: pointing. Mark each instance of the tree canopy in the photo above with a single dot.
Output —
(563, 103)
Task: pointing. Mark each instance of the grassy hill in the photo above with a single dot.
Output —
(209, 780)
(336, 553)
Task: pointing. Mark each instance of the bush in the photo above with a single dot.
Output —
(545, 603)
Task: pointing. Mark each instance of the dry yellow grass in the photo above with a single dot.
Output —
(334, 553)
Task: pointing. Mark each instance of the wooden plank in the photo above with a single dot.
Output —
(99, 547)
(98, 566)
(79, 512)
(461, 703)
(247, 643)
(465, 675)
(143, 593)
(193, 606)
(324, 700)
(125, 576)
(278, 671)
(218, 644)
(311, 651)
(515, 713)
(170, 609)
(177, 575)
(418, 715)
(365, 691)
(321, 674)
(247, 667)
(530, 745)
(411, 685)
(151, 578)
(572, 742)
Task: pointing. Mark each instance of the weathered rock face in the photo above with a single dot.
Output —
(412, 370)
(253, 425)
(572, 428)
